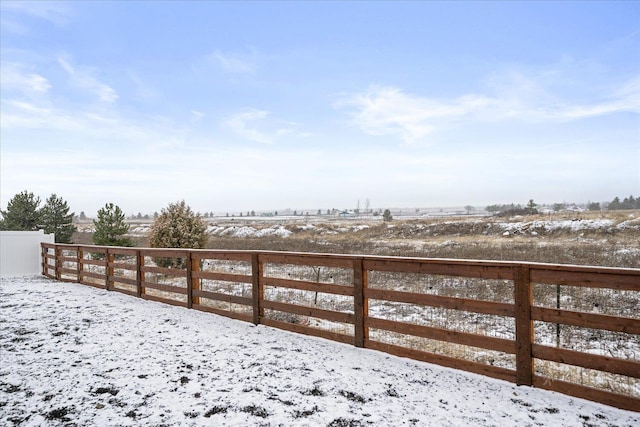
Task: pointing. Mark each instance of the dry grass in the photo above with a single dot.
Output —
(461, 238)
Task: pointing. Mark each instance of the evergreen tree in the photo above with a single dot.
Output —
(22, 213)
(55, 218)
(532, 208)
(615, 204)
(177, 226)
(629, 203)
(386, 216)
(110, 227)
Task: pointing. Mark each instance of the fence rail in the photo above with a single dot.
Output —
(424, 309)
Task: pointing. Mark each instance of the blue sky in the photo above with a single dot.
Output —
(272, 105)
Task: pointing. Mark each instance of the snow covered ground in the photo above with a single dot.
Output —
(75, 355)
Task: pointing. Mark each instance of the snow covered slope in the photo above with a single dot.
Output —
(74, 354)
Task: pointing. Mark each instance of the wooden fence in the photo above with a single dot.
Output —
(507, 312)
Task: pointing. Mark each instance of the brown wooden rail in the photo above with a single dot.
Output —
(132, 271)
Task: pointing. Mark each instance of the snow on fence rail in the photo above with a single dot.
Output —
(570, 329)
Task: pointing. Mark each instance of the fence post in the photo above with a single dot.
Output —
(360, 307)
(43, 251)
(58, 252)
(108, 268)
(196, 283)
(79, 264)
(138, 274)
(524, 325)
(189, 262)
(257, 288)
(47, 263)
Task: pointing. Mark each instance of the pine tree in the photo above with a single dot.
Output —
(22, 213)
(532, 208)
(615, 204)
(55, 218)
(629, 203)
(110, 227)
(177, 226)
(386, 216)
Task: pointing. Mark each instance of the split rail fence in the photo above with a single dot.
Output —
(570, 329)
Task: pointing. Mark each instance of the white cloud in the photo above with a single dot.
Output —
(83, 78)
(389, 110)
(14, 77)
(143, 90)
(74, 126)
(13, 27)
(234, 63)
(239, 123)
(255, 126)
(16, 114)
(196, 116)
(55, 12)
(386, 110)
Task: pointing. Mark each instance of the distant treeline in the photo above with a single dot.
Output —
(510, 210)
(614, 205)
(628, 203)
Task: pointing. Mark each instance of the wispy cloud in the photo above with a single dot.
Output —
(13, 27)
(234, 63)
(52, 11)
(196, 116)
(142, 88)
(77, 126)
(15, 78)
(256, 125)
(388, 110)
(83, 78)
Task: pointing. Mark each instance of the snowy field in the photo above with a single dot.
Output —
(285, 228)
(75, 355)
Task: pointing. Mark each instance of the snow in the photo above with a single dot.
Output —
(243, 231)
(247, 231)
(75, 354)
(285, 226)
(274, 231)
(555, 225)
(141, 229)
(306, 227)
